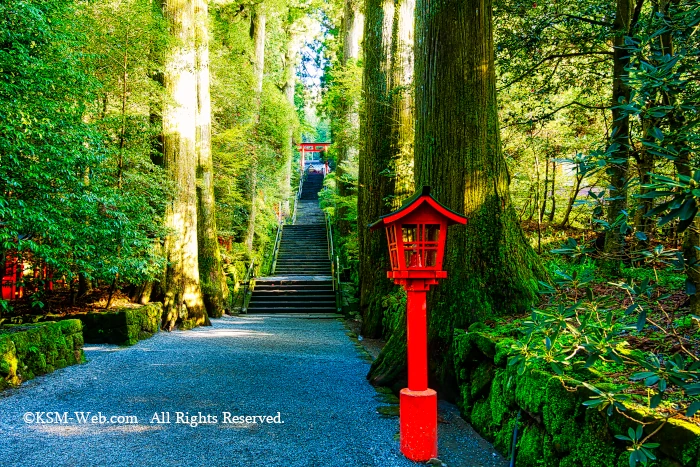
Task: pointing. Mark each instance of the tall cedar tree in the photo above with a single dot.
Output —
(375, 187)
(211, 272)
(257, 34)
(402, 108)
(183, 298)
(351, 28)
(492, 270)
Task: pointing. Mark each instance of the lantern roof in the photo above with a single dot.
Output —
(415, 201)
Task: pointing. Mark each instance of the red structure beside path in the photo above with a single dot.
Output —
(416, 234)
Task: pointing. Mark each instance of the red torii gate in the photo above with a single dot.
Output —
(312, 148)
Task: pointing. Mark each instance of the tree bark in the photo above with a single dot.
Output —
(258, 36)
(183, 304)
(375, 186)
(402, 96)
(492, 270)
(346, 143)
(290, 60)
(213, 280)
(620, 147)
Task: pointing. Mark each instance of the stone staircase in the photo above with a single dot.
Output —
(302, 281)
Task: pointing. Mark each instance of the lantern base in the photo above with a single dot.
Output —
(418, 413)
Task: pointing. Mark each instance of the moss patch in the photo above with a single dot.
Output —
(124, 326)
(30, 350)
(555, 430)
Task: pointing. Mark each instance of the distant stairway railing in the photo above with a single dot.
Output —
(302, 176)
(335, 264)
(280, 224)
(245, 285)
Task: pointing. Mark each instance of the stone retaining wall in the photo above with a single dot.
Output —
(556, 430)
(125, 326)
(31, 350)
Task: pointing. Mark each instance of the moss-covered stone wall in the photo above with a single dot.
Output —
(125, 326)
(27, 351)
(555, 429)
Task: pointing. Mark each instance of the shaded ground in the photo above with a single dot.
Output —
(305, 369)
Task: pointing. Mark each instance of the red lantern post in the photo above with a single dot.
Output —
(416, 234)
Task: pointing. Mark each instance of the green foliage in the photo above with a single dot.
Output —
(582, 336)
(70, 196)
(639, 450)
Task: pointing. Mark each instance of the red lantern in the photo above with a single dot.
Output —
(417, 234)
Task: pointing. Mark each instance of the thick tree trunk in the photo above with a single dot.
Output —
(183, 298)
(492, 270)
(618, 170)
(402, 95)
(213, 280)
(258, 36)
(346, 143)
(290, 60)
(684, 166)
(374, 184)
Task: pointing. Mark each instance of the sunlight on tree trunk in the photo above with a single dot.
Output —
(290, 62)
(375, 185)
(183, 299)
(213, 281)
(352, 29)
(258, 36)
(402, 96)
(492, 270)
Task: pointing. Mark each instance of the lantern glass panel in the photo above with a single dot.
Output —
(393, 248)
(410, 246)
(420, 245)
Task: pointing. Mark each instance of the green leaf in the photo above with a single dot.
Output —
(688, 209)
(641, 320)
(655, 401)
(650, 381)
(693, 409)
(690, 288)
(557, 369)
(642, 375)
(656, 133)
(641, 236)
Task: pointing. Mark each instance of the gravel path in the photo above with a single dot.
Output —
(307, 370)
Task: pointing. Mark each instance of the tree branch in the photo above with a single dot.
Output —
(551, 57)
(588, 20)
(546, 116)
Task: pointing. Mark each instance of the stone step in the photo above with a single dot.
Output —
(292, 297)
(292, 283)
(303, 272)
(312, 299)
(265, 310)
(283, 303)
